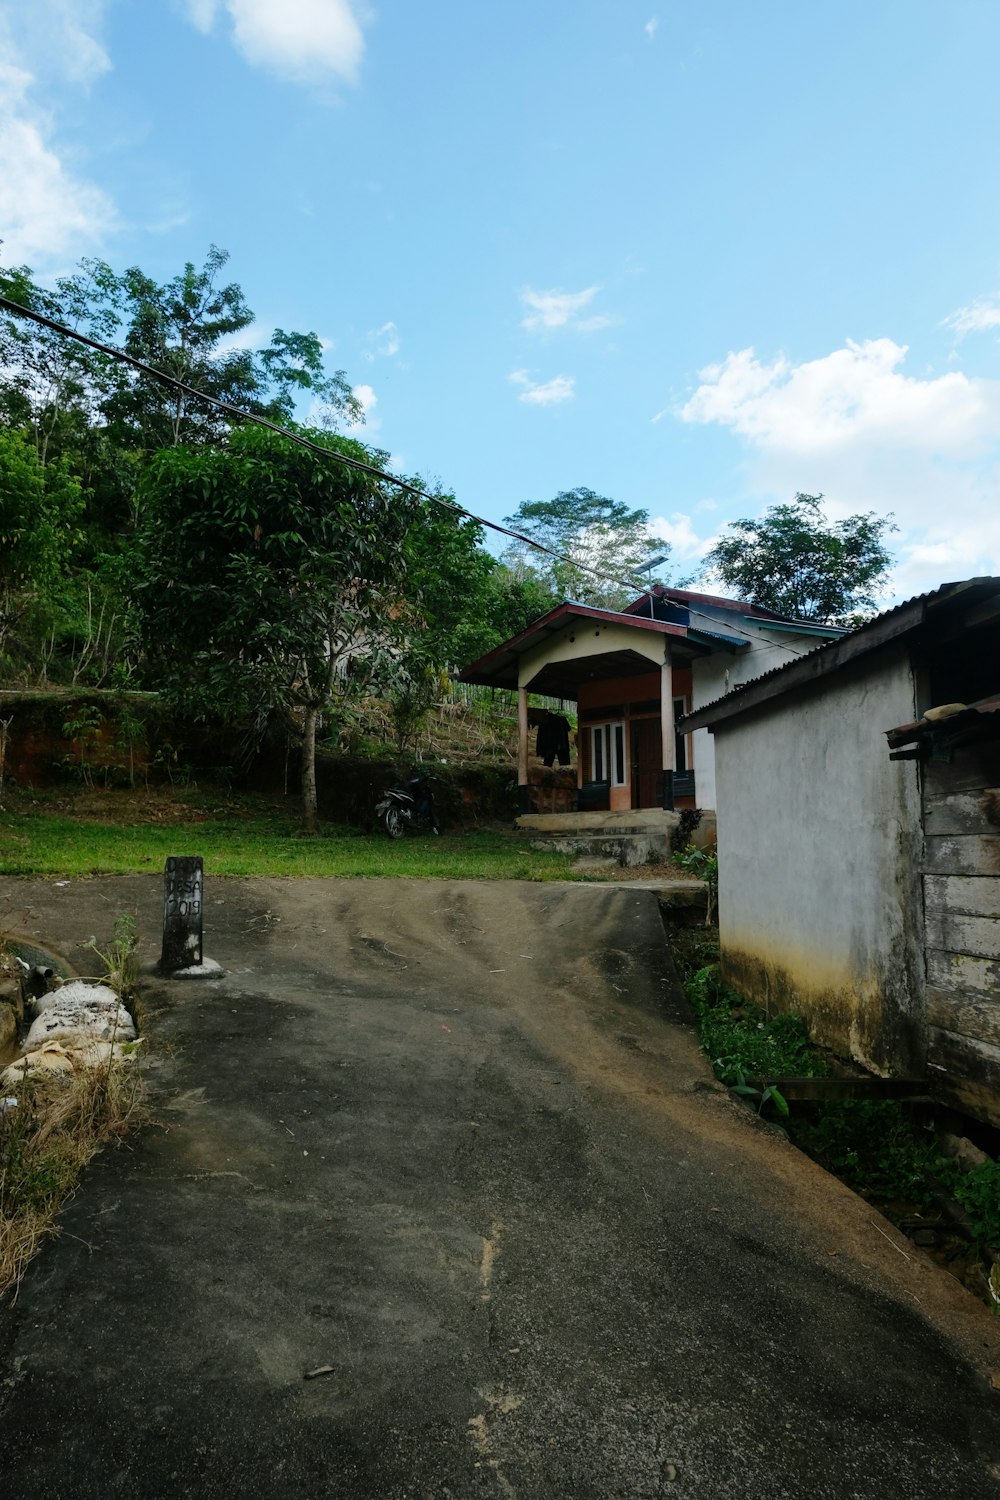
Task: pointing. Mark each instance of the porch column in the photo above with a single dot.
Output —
(523, 790)
(667, 727)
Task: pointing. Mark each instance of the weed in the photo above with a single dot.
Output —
(979, 1194)
(119, 957)
(874, 1145)
(741, 1039)
(84, 730)
(877, 1148)
(706, 867)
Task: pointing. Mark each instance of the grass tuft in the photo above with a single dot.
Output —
(58, 1125)
(53, 1124)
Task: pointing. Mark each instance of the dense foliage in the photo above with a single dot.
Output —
(794, 561)
(122, 525)
(606, 544)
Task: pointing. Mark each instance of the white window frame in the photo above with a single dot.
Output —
(609, 752)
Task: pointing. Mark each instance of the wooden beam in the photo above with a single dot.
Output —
(962, 895)
(975, 854)
(975, 811)
(801, 1089)
(978, 937)
(962, 974)
(965, 1072)
(963, 1015)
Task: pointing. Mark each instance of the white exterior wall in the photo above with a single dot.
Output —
(819, 848)
(714, 676)
(585, 637)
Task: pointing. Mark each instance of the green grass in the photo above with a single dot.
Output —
(263, 843)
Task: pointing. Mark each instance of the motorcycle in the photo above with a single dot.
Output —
(409, 806)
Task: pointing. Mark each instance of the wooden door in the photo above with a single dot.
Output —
(646, 761)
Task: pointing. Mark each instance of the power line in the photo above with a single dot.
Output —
(295, 437)
(353, 463)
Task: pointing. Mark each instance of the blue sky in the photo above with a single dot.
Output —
(695, 255)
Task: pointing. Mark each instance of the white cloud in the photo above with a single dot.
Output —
(854, 395)
(201, 13)
(853, 426)
(389, 345)
(685, 543)
(560, 310)
(58, 36)
(976, 317)
(559, 388)
(652, 26)
(300, 40)
(254, 336)
(47, 211)
(368, 401)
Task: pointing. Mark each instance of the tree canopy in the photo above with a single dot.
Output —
(270, 578)
(599, 536)
(794, 561)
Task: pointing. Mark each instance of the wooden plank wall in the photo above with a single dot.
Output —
(961, 808)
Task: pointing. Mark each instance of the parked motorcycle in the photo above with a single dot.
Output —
(409, 806)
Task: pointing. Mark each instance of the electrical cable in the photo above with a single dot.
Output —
(295, 437)
(354, 463)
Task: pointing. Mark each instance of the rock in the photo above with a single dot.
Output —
(963, 1152)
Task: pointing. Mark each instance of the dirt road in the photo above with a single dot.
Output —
(454, 1145)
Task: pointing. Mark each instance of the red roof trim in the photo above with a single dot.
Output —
(688, 596)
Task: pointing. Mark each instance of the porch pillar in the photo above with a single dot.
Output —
(667, 726)
(523, 789)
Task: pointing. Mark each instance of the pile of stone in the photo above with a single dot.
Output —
(77, 1026)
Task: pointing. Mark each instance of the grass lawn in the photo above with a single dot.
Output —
(93, 832)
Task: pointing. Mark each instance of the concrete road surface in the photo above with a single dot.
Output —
(453, 1144)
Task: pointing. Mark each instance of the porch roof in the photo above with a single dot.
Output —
(499, 667)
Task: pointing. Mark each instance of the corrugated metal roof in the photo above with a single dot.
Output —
(832, 652)
(908, 734)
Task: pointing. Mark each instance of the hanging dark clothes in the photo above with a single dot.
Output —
(553, 740)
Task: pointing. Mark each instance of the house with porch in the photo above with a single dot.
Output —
(632, 674)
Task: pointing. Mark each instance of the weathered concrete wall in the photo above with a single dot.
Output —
(713, 676)
(819, 849)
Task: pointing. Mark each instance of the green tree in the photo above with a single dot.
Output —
(595, 533)
(467, 600)
(51, 386)
(189, 327)
(269, 579)
(794, 561)
(39, 509)
(182, 328)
